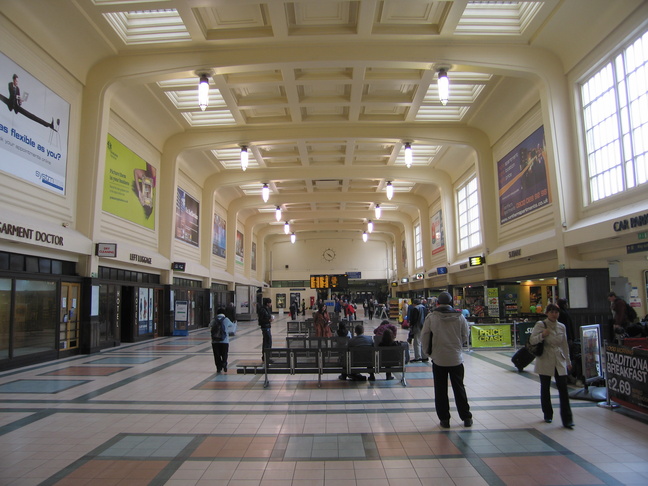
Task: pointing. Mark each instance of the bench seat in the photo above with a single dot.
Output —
(335, 359)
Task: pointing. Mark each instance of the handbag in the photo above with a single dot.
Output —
(536, 349)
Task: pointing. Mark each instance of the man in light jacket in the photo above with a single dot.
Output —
(445, 330)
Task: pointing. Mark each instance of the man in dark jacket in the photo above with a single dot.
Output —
(265, 322)
(359, 340)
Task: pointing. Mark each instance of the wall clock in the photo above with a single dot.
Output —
(328, 255)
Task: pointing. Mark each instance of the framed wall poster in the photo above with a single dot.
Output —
(219, 236)
(239, 247)
(438, 237)
(187, 212)
(129, 187)
(34, 124)
(281, 301)
(523, 178)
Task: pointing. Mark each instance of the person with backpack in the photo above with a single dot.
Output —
(220, 326)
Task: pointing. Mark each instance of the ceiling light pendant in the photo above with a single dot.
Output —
(365, 236)
(370, 226)
(408, 155)
(203, 92)
(286, 227)
(389, 190)
(378, 211)
(265, 192)
(244, 157)
(443, 83)
(278, 213)
(293, 237)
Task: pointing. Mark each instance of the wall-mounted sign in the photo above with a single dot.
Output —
(30, 234)
(419, 276)
(442, 270)
(633, 222)
(134, 257)
(515, 253)
(394, 284)
(354, 274)
(178, 266)
(106, 250)
(637, 248)
(404, 280)
(476, 261)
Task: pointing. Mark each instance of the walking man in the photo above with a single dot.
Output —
(444, 332)
(220, 327)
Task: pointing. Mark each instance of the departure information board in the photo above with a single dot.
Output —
(328, 281)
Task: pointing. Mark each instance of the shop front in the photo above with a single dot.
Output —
(189, 306)
(40, 303)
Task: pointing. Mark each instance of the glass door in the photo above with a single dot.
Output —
(69, 316)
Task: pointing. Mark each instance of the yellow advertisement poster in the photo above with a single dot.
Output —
(494, 336)
(129, 185)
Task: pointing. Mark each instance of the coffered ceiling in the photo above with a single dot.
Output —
(323, 93)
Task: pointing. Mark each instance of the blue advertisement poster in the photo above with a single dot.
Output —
(219, 236)
(523, 178)
(34, 125)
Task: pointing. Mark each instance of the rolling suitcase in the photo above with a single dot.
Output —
(522, 358)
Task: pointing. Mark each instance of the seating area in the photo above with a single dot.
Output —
(156, 412)
(312, 355)
(305, 328)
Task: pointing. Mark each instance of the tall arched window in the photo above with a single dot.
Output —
(615, 116)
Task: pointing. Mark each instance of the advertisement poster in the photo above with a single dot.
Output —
(243, 299)
(281, 301)
(591, 352)
(627, 376)
(34, 124)
(438, 238)
(219, 236)
(492, 294)
(181, 311)
(495, 336)
(145, 311)
(239, 247)
(523, 178)
(187, 218)
(129, 185)
(253, 256)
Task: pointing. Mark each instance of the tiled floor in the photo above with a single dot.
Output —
(156, 413)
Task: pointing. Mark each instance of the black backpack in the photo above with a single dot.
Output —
(414, 316)
(632, 314)
(218, 330)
